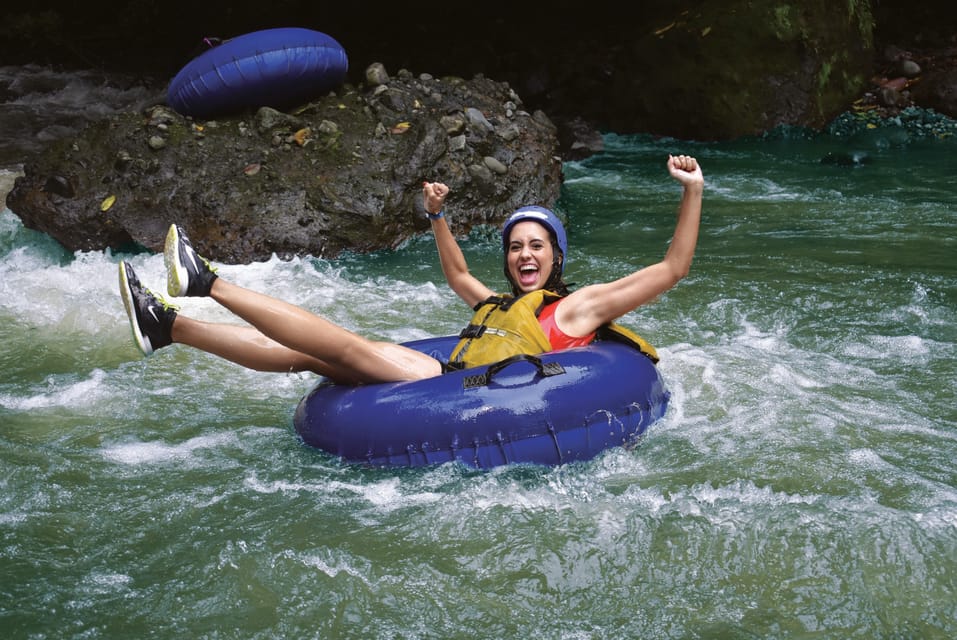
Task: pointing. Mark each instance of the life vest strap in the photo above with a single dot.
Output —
(496, 300)
(544, 369)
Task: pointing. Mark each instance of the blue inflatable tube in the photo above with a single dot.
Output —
(274, 67)
(552, 409)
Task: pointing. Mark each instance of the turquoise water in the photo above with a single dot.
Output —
(802, 485)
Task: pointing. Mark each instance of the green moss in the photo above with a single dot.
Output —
(861, 11)
(824, 75)
(784, 26)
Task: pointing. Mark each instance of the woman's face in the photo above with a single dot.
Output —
(529, 256)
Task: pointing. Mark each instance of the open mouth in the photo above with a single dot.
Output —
(528, 274)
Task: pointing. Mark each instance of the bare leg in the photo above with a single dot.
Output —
(246, 346)
(328, 348)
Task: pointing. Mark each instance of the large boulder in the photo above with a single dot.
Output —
(938, 90)
(341, 173)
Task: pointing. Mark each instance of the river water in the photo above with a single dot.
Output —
(802, 485)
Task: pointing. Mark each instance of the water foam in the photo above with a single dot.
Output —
(60, 391)
(137, 454)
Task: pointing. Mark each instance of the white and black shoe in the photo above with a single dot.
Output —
(151, 317)
(187, 272)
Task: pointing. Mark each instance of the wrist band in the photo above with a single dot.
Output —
(435, 216)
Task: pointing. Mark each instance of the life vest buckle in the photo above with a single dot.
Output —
(473, 331)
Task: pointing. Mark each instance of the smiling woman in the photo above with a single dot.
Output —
(540, 315)
(487, 410)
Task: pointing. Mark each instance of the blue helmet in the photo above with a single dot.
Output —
(544, 217)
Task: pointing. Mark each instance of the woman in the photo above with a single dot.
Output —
(283, 337)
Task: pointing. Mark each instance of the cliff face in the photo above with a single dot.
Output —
(702, 69)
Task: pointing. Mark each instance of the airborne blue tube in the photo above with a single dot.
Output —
(273, 67)
(552, 409)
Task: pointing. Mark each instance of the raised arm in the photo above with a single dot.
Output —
(456, 270)
(588, 308)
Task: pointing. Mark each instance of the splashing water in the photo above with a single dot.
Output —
(803, 483)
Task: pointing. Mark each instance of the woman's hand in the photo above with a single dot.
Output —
(685, 169)
(433, 196)
(456, 270)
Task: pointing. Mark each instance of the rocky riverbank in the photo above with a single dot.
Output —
(905, 78)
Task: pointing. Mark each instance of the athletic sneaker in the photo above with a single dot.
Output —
(187, 272)
(151, 317)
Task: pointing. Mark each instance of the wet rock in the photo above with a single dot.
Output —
(59, 185)
(938, 90)
(846, 159)
(893, 53)
(454, 124)
(908, 68)
(495, 165)
(478, 120)
(376, 74)
(123, 161)
(891, 97)
(269, 119)
(579, 139)
(910, 123)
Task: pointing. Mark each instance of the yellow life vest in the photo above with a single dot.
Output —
(504, 326)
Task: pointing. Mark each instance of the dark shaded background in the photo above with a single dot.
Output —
(553, 54)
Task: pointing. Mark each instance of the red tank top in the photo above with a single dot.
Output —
(556, 337)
